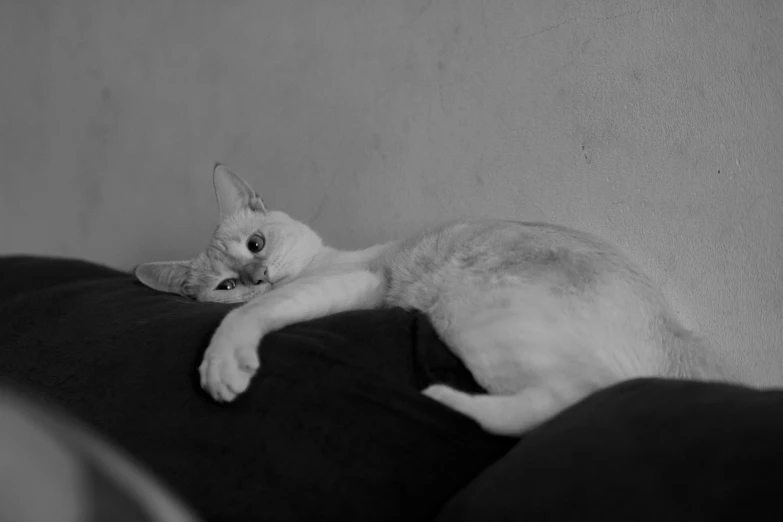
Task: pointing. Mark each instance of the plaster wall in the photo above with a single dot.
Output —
(657, 124)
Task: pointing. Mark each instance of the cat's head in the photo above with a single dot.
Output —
(252, 250)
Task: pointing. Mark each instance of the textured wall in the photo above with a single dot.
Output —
(656, 124)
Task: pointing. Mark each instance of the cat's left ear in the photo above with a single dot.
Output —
(164, 276)
(233, 193)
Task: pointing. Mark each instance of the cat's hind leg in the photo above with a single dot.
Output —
(508, 415)
(534, 352)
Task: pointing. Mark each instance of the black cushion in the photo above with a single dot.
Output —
(332, 428)
(643, 450)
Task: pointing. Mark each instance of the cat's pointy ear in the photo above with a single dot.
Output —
(233, 193)
(164, 276)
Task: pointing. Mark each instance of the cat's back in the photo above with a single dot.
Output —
(504, 245)
(481, 252)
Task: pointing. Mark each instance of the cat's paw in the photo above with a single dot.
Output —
(231, 359)
(447, 396)
(455, 399)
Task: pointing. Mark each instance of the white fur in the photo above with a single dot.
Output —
(541, 315)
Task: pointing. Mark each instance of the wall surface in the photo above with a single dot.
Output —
(657, 124)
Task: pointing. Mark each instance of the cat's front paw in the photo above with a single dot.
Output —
(231, 359)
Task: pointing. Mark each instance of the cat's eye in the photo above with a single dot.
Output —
(227, 284)
(256, 243)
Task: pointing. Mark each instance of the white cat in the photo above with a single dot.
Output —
(541, 315)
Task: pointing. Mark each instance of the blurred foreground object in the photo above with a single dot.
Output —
(53, 470)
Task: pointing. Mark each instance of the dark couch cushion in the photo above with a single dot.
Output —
(332, 428)
(644, 450)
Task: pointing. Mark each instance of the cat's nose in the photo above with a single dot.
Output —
(260, 276)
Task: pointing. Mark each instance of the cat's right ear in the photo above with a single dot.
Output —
(233, 193)
(164, 276)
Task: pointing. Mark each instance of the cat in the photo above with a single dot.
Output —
(542, 315)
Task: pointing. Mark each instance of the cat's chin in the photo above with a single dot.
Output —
(233, 300)
(252, 295)
(277, 282)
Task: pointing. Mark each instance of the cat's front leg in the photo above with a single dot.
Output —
(232, 358)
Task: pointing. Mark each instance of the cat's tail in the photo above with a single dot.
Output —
(692, 357)
(508, 415)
